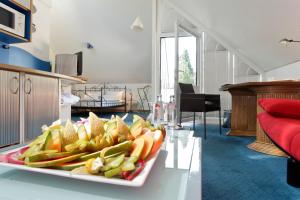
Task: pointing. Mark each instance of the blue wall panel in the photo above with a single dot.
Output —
(20, 57)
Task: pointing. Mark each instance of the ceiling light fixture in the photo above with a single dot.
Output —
(286, 42)
(137, 25)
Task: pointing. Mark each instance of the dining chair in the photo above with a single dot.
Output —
(192, 102)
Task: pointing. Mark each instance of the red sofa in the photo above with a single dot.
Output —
(281, 122)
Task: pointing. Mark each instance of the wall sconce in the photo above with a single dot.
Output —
(89, 45)
(286, 42)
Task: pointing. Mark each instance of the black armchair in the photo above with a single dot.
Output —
(191, 102)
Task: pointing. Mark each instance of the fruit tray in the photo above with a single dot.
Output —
(136, 182)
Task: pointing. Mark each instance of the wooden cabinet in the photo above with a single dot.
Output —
(41, 103)
(9, 108)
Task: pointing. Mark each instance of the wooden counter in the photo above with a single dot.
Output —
(39, 72)
(245, 109)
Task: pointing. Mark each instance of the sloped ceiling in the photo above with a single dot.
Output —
(120, 55)
(252, 27)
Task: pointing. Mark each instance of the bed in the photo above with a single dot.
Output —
(101, 99)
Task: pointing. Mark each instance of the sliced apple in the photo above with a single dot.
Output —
(137, 148)
(82, 134)
(122, 147)
(149, 141)
(158, 140)
(136, 128)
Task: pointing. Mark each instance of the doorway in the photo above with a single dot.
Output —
(182, 68)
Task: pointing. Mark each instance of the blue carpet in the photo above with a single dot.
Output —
(231, 171)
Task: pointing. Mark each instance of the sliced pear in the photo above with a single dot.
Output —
(78, 146)
(112, 129)
(96, 124)
(54, 141)
(106, 141)
(123, 130)
(69, 134)
(137, 118)
(136, 128)
(122, 126)
(82, 134)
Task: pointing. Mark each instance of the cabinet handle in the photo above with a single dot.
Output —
(16, 90)
(30, 86)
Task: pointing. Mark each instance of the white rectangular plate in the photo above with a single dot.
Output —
(136, 182)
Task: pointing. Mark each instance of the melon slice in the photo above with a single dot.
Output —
(55, 162)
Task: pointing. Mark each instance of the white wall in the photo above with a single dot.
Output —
(120, 55)
(291, 71)
(39, 47)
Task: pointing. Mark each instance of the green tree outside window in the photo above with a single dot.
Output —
(186, 72)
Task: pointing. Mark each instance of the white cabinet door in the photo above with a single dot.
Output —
(9, 108)
(41, 103)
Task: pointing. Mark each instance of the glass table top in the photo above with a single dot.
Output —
(176, 174)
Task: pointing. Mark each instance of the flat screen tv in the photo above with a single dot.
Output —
(79, 63)
(69, 64)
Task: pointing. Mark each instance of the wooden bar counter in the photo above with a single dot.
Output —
(245, 109)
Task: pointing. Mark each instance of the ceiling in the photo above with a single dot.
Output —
(253, 27)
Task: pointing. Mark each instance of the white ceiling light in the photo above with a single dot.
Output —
(137, 25)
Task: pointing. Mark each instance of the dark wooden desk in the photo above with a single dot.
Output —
(245, 109)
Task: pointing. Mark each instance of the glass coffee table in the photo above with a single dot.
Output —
(176, 174)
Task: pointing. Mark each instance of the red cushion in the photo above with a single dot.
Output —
(283, 131)
(281, 107)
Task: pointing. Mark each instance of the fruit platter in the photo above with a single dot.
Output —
(92, 149)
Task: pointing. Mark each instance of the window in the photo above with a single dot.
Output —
(187, 63)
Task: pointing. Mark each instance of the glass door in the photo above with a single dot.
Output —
(181, 68)
(187, 57)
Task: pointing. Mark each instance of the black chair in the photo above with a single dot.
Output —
(191, 102)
